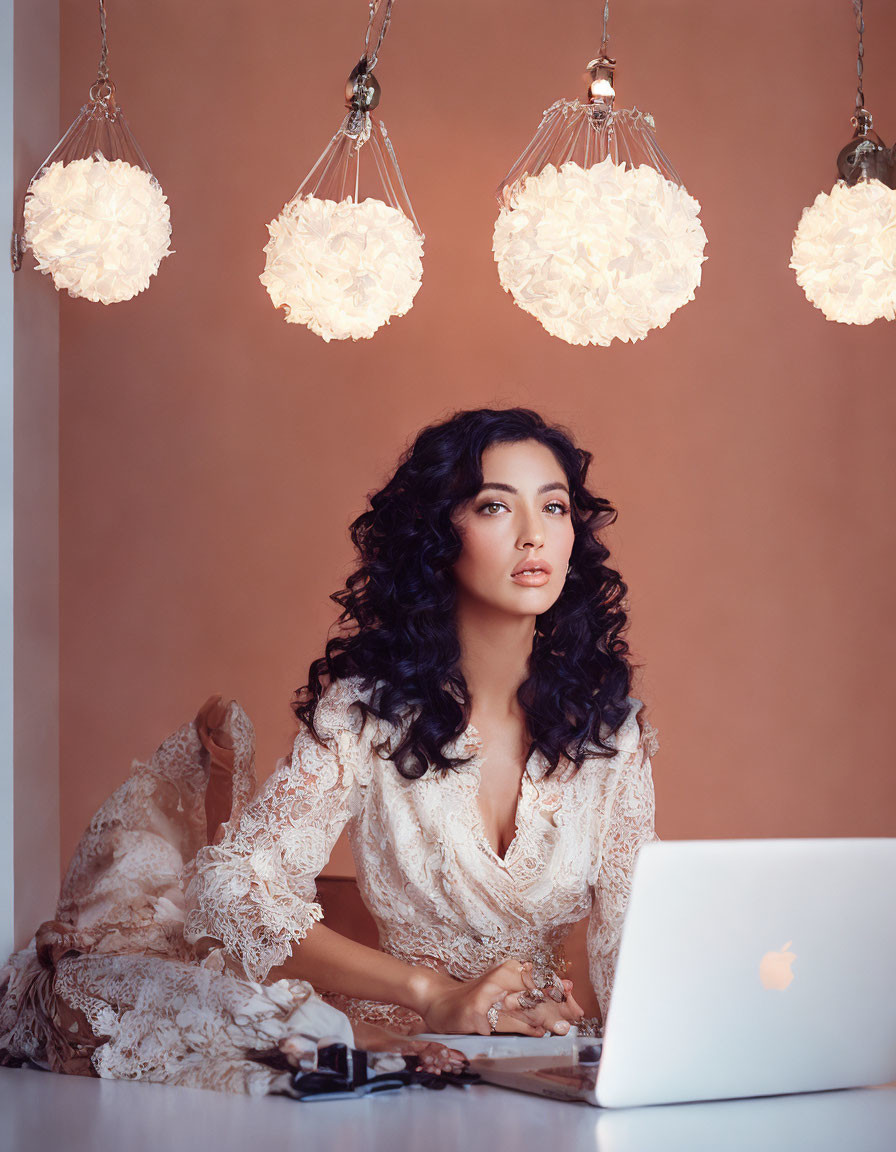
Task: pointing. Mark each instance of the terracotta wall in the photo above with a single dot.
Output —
(212, 456)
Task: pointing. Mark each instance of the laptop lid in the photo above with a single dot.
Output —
(753, 967)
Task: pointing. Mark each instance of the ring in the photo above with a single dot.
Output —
(545, 978)
(542, 973)
(530, 999)
(492, 1015)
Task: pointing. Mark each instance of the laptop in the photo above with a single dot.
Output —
(746, 968)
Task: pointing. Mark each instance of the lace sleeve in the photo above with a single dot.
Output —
(630, 825)
(254, 890)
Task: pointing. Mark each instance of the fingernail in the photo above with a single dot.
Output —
(562, 1026)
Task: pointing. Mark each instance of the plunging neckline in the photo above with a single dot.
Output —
(471, 735)
(483, 835)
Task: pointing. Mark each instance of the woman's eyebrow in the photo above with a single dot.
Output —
(515, 491)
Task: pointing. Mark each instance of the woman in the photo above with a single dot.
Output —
(476, 736)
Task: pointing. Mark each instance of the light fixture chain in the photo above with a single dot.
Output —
(385, 12)
(102, 74)
(605, 38)
(860, 66)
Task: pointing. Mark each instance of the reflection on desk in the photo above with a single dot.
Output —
(856, 1120)
(81, 1114)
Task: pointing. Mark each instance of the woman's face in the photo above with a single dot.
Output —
(519, 519)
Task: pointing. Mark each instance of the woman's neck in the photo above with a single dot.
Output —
(495, 649)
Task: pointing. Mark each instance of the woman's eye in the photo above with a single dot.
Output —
(491, 509)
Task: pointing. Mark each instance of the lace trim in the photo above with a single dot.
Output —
(394, 1017)
(248, 905)
(254, 891)
(466, 957)
(629, 825)
(650, 739)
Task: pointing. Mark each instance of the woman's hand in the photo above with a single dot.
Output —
(431, 1056)
(551, 1006)
(454, 1006)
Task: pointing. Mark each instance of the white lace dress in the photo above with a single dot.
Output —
(109, 987)
(438, 892)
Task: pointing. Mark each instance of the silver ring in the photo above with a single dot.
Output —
(492, 1015)
(542, 975)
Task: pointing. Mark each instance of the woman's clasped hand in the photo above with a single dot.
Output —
(527, 1003)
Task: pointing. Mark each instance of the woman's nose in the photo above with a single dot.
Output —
(531, 534)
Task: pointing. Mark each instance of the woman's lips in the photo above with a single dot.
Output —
(531, 579)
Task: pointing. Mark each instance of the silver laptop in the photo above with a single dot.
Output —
(746, 968)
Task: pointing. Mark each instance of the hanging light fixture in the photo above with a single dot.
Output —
(96, 218)
(596, 236)
(345, 254)
(844, 249)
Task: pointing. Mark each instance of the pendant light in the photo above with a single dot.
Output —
(844, 249)
(596, 236)
(96, 218)
(345, 254)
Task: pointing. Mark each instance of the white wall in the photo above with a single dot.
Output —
(29, 433)
(6, 493)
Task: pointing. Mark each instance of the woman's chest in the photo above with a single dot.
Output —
(429, 837)
(498, 799)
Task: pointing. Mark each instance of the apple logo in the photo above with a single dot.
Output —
(774, 968)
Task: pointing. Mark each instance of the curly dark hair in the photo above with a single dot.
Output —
(399, 604)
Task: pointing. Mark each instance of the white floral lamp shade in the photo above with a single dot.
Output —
(338, 261)
(844, 252)
(96, 219)
(98, 227)
(343, 269)
(605, 245)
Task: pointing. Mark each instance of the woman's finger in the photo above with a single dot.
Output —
(520, 1001)
(571, 1002)
(553, 1017)
(554, 987)
(434, 1057)
(510, 1022)
(548, 980)
(508, 977)
(542, 1019)
(543, 980)
(528, 978)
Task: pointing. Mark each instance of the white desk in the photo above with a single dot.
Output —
(42, 1110)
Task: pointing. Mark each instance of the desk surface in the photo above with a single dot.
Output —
(45, 1110)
